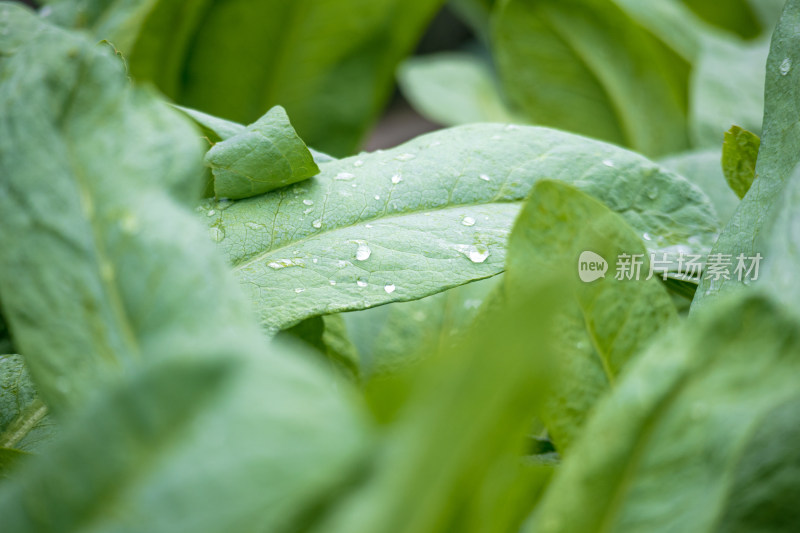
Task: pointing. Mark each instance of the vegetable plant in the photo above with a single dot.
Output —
(216, 315)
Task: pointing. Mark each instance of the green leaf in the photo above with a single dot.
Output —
(390, 337)
(727, 87)
(170, 398)
(703, 168)
(217, 129)
(736, 16)
(778, 154)
(452, 88)
(589, 67)
(782, 249)
(464, 424)
(267, 155)
(699, 435)
(329, 63)
(24, 424)
(739, 153)
(607, 320)
(431, 214)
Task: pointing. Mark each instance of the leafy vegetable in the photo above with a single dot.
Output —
(739, 152)
(608, 320)
(362, 233)
(135, 333)
(186, 364)
(543, 48)
(693, 422)
(778, 153)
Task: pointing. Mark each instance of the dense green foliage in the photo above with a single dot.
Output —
(208, 325)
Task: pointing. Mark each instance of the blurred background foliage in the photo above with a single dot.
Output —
(646, 74)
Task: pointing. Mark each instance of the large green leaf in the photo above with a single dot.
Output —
(607, 320)
(700, 435)
(464, 423)
(778, 154)
(589, 67)
(431, 214)
(453, 88)
(133, 327)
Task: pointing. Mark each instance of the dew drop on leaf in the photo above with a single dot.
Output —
(608, 163)
(217, 234)
(361, 283)
(475, 253)
(484, 177)
(786, 66)
(317, 224)
(397, 178)
(344, 176)
(405, 157)
(362, 251)
(308, 202)
(468, 221)
(299, 290)
(389, 288)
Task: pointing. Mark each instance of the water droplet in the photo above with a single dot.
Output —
(405, 157)
(652, 192)
(341, 264)
(317, 224)
(354, 185)
(361, 283)
(212, 213)
(484, 177)
(217, 234)
(254, 225)
(786, 66)
(298, 290)
(344, 176)
(362, 251)
(475, 253)
(307, 211)
(389, 288)
(284, 263)
(358, 163)
(608, 163)
(377, 196)
(397, 178)
(646, 236)
(332, 282)
(368, 226)
(308, 202)
(315, 260)
(468, 221)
